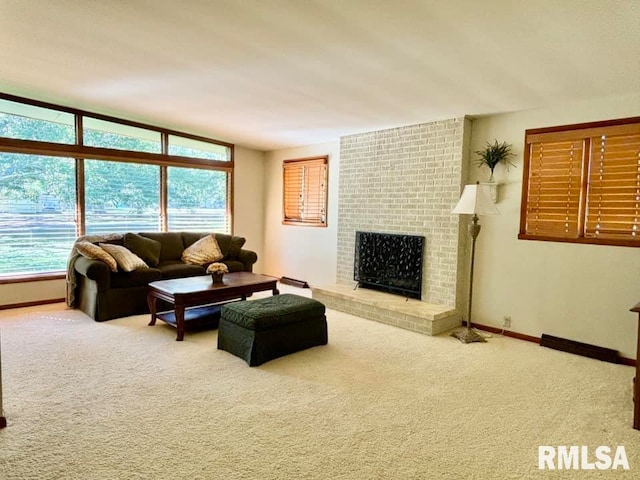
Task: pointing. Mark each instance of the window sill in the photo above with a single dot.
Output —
(32, 277)
(615, 242)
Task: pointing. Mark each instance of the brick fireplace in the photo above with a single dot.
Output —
(405, 180)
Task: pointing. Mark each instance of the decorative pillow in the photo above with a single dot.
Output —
(147, 249)
(236, 246)
(205, 250)
(94, 252)
(127, 260)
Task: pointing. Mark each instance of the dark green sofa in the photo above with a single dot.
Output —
(104, 295)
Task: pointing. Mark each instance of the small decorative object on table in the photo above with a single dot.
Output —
(217, 271)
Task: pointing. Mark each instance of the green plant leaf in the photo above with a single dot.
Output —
(493, 154)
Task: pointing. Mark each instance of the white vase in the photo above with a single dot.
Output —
(493, 189)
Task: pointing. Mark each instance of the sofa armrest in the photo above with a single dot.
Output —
(94, 270)
(248, 258)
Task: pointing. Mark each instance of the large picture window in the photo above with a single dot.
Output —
(121, 197)
(37, 213)
(582, 183)
(66, 173)
(197, 200)
(305, 192)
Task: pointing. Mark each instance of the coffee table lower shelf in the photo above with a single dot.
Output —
(195, 318)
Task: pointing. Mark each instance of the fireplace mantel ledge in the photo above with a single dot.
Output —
(410, 314)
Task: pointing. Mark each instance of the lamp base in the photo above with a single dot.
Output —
(467, 335)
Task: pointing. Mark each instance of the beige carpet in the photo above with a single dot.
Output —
(121, 400)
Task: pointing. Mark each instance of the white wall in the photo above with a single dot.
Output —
(248, 223)
(303, 253)
(580, 292)
(248, 208)
(26, 292)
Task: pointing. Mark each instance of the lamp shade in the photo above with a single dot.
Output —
(476, 200)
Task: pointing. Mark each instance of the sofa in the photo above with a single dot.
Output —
(94, 288)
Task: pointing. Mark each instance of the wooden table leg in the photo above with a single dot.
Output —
(179, 313)
(151, 301)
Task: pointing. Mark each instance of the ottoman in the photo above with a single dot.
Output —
(260, 330)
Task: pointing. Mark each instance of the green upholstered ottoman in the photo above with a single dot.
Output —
(261, 330)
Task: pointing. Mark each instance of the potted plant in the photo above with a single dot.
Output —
(217, 271)
(493, 154)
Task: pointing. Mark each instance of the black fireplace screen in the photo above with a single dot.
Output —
(389, 262)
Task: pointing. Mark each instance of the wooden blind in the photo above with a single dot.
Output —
(613, 202)
(305, 191)
(582, 183)
(555, 182)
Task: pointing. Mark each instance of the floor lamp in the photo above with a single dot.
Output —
(475, 200)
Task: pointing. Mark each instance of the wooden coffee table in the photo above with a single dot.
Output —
(189, 292)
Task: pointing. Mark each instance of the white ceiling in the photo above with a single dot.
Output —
(270, 74)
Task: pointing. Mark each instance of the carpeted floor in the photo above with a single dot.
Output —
(121, 400)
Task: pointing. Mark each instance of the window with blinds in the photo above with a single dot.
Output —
(305, 191)
(582, 183)
(66, 173)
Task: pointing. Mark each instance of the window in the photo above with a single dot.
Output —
(37, 213)
(121, 197)
(100, 133)
(115, 176)
(198, 200)
(28, 122)
(582, 183)
(305, 191)
(187, 147)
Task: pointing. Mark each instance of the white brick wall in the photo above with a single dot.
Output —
(407, 180)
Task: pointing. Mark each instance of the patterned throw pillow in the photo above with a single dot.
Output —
(127, 260)
(205, 250)
(94, 252)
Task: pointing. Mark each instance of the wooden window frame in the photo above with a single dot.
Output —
(80, 152)
(583, 133)
(318, 212)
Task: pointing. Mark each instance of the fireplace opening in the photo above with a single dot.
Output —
(389, 262)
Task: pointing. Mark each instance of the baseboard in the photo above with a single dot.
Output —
(294, 282)
(31, 304)
(579, 348)
(529, 338)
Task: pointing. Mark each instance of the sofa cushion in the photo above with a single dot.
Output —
(147, 249)
(189, 238)
(204, 251)
(178, 269)
(95, 252)
(172, 245)
(127, 260)
(136, 278)
(234, 265)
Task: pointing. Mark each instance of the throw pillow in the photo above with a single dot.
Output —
(127, 260)
(236, 246)
(205, 250)
(147, 249)
(94, 252)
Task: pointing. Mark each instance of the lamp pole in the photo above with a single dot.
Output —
(474, 230)
(468, 335)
